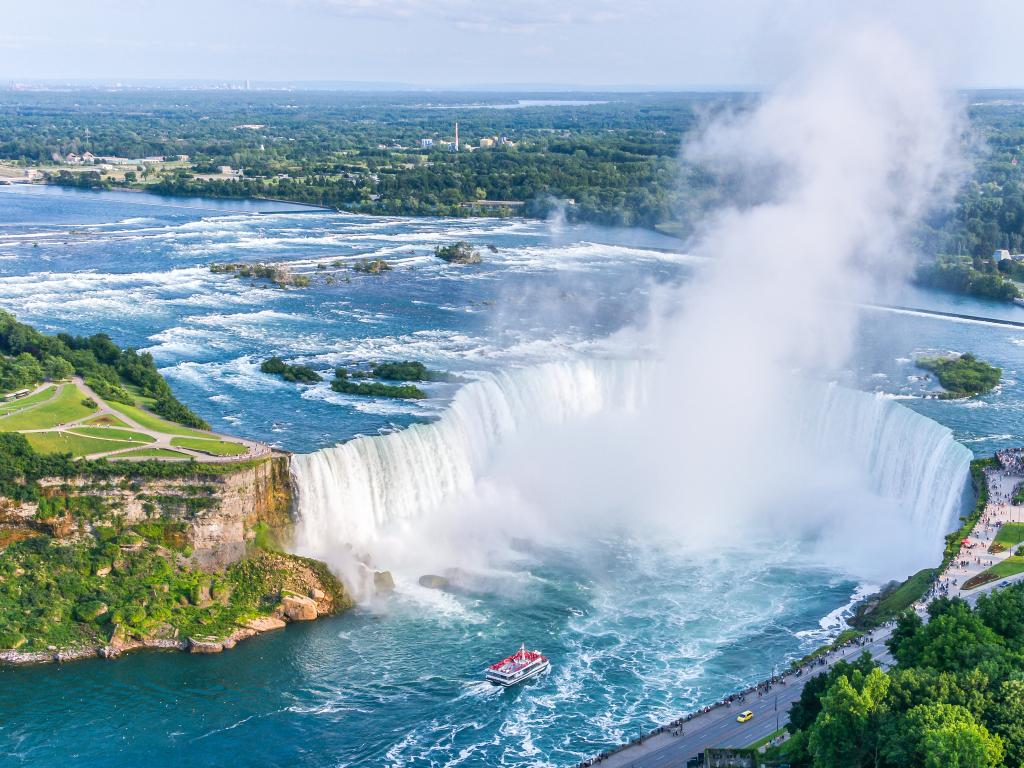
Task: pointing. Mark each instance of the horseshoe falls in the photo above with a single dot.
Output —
(353, 495)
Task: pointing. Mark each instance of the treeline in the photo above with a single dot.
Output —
(616, 159)
(954, 698)
(28, 356)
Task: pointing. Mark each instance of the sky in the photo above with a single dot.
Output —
(665, 44)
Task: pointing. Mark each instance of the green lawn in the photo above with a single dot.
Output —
(112, 433)
(212, 447)
(76, 445)
(154, 453)
(66, 406)
(106, 420)
(154, 422)
(1011, 566)
(17, 405)
(1010, 535)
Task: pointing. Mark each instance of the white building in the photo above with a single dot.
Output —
(1002, 255)
(426, 143)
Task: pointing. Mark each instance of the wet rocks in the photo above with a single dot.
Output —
(299, 608)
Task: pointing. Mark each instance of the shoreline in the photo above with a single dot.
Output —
(671, 735)
(280, 620)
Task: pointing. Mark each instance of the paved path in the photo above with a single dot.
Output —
(254, 449)
(974, 557)
(718, 728)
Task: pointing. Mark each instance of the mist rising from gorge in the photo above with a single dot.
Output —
(714, 439)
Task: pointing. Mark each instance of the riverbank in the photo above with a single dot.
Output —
(715, 726)
(323, 595)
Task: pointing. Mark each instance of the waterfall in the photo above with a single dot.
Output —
(348, 493)
(351, 494)
(908, 457)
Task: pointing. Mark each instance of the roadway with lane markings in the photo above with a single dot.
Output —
(719, 728)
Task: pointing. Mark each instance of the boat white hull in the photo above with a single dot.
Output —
(539, 669)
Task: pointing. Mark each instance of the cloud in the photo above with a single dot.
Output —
(517, 16)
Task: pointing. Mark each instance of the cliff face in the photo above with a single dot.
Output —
(189, 563)
(219, 516)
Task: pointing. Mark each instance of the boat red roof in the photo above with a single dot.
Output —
(520, 658)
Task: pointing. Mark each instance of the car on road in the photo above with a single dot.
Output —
(743, 716)
(1004, 584)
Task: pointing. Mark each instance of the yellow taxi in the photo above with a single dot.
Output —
(743, 716)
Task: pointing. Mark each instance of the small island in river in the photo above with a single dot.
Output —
(963, 375)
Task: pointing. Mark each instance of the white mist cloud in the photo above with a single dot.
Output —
(725, 445)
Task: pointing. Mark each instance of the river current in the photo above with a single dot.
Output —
(639, 628)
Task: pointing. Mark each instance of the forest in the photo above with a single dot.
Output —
(954, 698)
(611, 159)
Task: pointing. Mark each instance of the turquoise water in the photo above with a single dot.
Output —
(638, 630)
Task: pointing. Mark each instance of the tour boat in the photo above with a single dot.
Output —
(521, 665)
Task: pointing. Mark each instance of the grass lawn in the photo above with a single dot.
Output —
(154, 422)
(213, 447)
(1010, 535)
(76, 445)
(106, 420)
(1011, 566)
(112, 433)
(153, 453)
(66, 406)
(17, 405)
(765, 739)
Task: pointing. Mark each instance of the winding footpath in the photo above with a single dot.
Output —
(159, 440)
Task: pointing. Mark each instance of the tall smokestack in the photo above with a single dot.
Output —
(456, 137)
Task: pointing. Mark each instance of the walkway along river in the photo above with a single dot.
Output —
(674, 744)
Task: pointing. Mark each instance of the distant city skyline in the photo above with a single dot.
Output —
(518, 44)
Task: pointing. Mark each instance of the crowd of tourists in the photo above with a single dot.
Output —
(1011, 460)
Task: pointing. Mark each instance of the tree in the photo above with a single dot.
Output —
(962, 745)
(1006, 719)
(844, 735)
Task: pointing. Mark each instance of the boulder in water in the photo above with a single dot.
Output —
(299, 608)
(205, 645)
(265, 624)
(431, 581)
(383, 581)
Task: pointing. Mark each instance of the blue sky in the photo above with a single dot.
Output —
(438, 43)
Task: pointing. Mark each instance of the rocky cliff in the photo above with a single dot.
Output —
(99, 565)
(219, 515)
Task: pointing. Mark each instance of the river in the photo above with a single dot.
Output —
(639, 627)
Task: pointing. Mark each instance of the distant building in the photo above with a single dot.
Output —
(487, 143)
(88, 157)
(426, 143)
(1002, 255)
(73, 159)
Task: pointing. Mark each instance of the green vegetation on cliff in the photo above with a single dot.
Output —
(962, 376)
(133, 582)
(960, 275)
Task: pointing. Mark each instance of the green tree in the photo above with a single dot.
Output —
(1006, 719)
(962, 745)
(844, 735)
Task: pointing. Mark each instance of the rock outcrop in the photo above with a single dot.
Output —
(221, 514)
(299, 608)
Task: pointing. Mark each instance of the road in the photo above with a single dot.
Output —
(718, 728)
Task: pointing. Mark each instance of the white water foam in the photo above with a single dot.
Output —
(354, 496)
